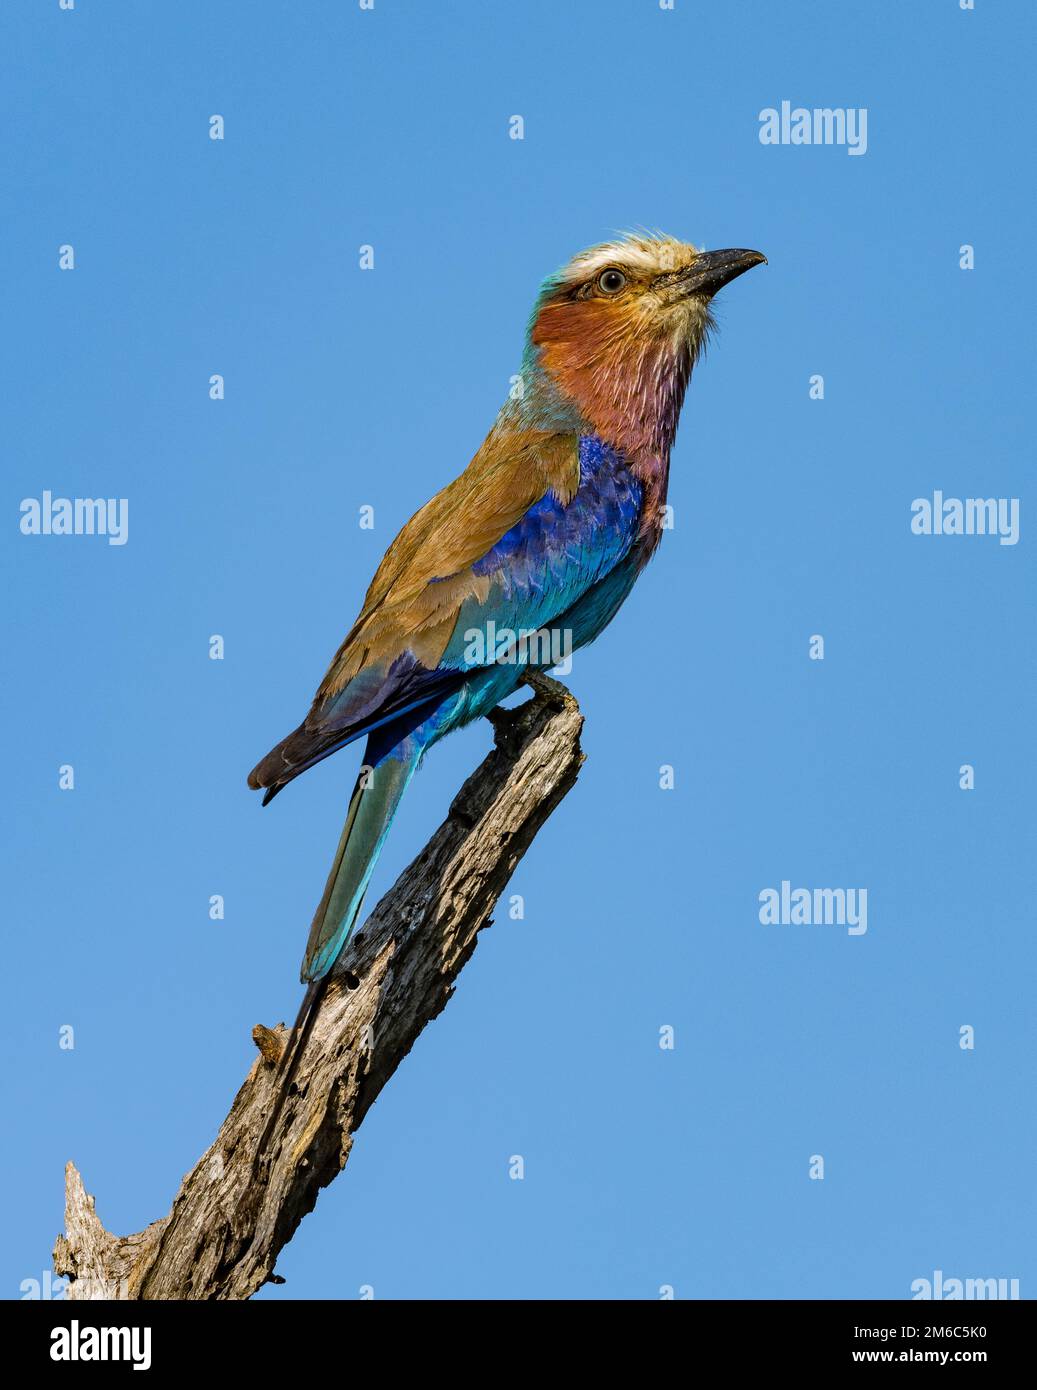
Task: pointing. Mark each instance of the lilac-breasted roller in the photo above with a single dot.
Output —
(545, 530)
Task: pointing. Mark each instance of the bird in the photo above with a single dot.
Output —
(546, 530)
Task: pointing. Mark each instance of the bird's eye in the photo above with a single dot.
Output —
(611, 281)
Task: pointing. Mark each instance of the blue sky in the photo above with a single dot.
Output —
(347, 388)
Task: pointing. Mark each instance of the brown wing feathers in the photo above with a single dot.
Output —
(413, 602)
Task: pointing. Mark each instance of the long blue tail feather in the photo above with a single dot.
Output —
(372, 807)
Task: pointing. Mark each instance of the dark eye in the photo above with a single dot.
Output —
(611, 281)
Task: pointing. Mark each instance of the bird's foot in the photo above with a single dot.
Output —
(547, 688)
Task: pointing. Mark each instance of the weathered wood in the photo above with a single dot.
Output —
(227, 1225)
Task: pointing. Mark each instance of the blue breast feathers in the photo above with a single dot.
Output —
(564, 547)
(556, 554)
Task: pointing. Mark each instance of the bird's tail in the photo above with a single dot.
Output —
(371, 810)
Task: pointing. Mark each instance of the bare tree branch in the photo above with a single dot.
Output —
(396, 975)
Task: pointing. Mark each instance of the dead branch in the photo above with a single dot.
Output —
(396, 975)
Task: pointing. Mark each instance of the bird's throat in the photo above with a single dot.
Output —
(628, 395)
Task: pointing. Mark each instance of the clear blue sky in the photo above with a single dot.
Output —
(344, 388)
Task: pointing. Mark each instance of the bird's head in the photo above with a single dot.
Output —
(620, 327)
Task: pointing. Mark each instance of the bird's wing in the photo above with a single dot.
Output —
(426, 574)
(514, 540)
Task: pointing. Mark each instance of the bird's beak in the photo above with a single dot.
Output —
(712, 270)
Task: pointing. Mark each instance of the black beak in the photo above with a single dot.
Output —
(713, 270)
